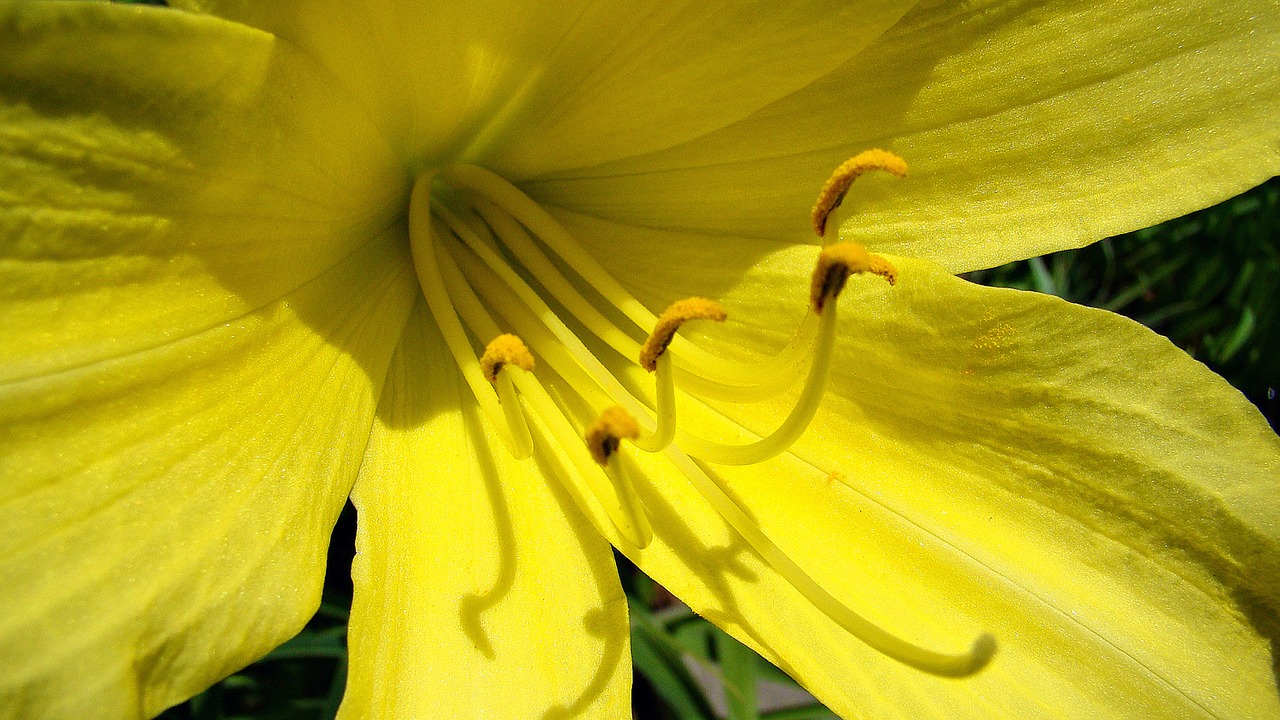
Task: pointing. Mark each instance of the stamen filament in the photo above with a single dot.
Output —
(665, 421)
(619, 474)
(879, 639)
(522, 319)
(776, 374)
(422, 242)
(517, 240)
(705, 373)
(796, 421)
(521, 440)
(539, 221)
(617, 498)
(545, 314)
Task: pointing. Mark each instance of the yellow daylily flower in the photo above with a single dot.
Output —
(228, 300)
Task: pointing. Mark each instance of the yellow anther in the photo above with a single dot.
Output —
(838, 184)
(503, 350)
(836, 263)
(606, 433)
(680, 311)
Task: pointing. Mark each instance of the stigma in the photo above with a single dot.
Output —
(498, 272)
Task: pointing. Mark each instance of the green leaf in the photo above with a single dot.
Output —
(658, 657)
(741, 682)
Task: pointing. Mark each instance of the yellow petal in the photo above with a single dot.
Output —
(1058, 476)
(195, 316)
(528, 88)
(165, 513)
(201, 164)
(480, 589)
(1028, 127)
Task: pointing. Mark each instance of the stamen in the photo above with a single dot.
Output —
(517, 240)
(604, 439)
(669, 322)
(617, 498)
(837, 185)
(655, 359)
(836, 263)
(979, 654)
(506, 349)
(509, 211)
(509, 351)
(607, 432)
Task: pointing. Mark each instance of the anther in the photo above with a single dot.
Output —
(605, 435)
(509, 350)
(678, 313)
(505, 349)
(654, 358)
(837, 185)
(836, 263)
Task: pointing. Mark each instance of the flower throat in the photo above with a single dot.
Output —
(476, 257)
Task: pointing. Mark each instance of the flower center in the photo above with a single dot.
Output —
(487, 264)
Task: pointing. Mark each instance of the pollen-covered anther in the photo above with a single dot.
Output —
(836, 263)
(605, 435)
(505, 349)
(678, 313)
(837, 185)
